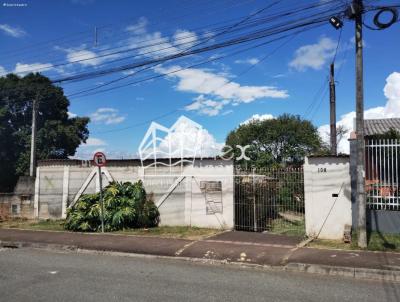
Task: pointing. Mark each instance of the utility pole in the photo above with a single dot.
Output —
(32, 165)
(332, 103)
(360, 197)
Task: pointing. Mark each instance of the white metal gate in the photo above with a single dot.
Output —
(382, 157)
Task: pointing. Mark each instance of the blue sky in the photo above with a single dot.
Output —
(222, 95)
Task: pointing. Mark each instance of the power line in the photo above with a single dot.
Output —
(90, 31)
(256, 22)
(319, 20)
(241, 39)
(256, 35)
(322, 91)
(290, 38)
(193, 46)
(181, 69)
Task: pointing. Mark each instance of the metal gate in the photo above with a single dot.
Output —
(382, 166)
(270, 200)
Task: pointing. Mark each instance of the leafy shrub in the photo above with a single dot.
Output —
(125, 206)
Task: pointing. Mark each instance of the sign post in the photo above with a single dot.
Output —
(99, 159)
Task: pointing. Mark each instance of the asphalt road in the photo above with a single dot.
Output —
(38, 275)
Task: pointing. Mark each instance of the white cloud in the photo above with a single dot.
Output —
(71, 115)
(107, 116)
(227, 112)
(139, 28)
(314, 56)
(164, 46)
(215, 89)
(208, 83)
(148, 47)
(12, 31)
(93, 142)
(392, 92)
(258, 117)
(85, 57)
(206, 106)
(390, 110)
(185, 37)
(23, 69)
(3, 71)
(88, 149)
(249, 61)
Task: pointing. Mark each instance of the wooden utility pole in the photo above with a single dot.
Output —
(32, 164)
(332, 103)
(360, 196)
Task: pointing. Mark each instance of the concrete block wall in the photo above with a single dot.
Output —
(23, 204)
(58, 183)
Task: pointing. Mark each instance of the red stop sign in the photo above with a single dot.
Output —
(99, 159)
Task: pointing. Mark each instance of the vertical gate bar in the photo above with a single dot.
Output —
(376, 186)
(384, 172)
(380, 175)
(391, 175)
(370, 170)
(371, 161)
(397, 176)
(376, 171)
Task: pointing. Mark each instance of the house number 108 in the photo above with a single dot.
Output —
(321, 170)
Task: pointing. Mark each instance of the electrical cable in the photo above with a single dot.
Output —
(86, 58)
(254, 36)
(292, 36)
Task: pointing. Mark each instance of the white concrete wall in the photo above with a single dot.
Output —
(326, 215)
(185, 205)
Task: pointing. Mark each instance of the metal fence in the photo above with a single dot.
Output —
(270, 200)
(382, 157)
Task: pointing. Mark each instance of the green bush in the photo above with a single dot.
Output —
(125, 206)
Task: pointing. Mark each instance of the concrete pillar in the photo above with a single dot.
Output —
(64, 200)
(36, 197)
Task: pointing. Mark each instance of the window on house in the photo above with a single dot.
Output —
(15, 209)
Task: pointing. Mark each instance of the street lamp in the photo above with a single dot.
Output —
(336, 22)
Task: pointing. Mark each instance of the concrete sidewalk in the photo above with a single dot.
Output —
(267, 250)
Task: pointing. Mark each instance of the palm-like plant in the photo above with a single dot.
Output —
(125, 206)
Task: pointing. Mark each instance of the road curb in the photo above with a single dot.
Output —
(38, 245)
(327, 270)
(352, 272)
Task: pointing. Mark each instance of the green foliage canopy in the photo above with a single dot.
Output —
(125, 206)
(58, 136)
(275, 142)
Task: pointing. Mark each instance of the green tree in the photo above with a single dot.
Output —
(58, 136)
(275, 142)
